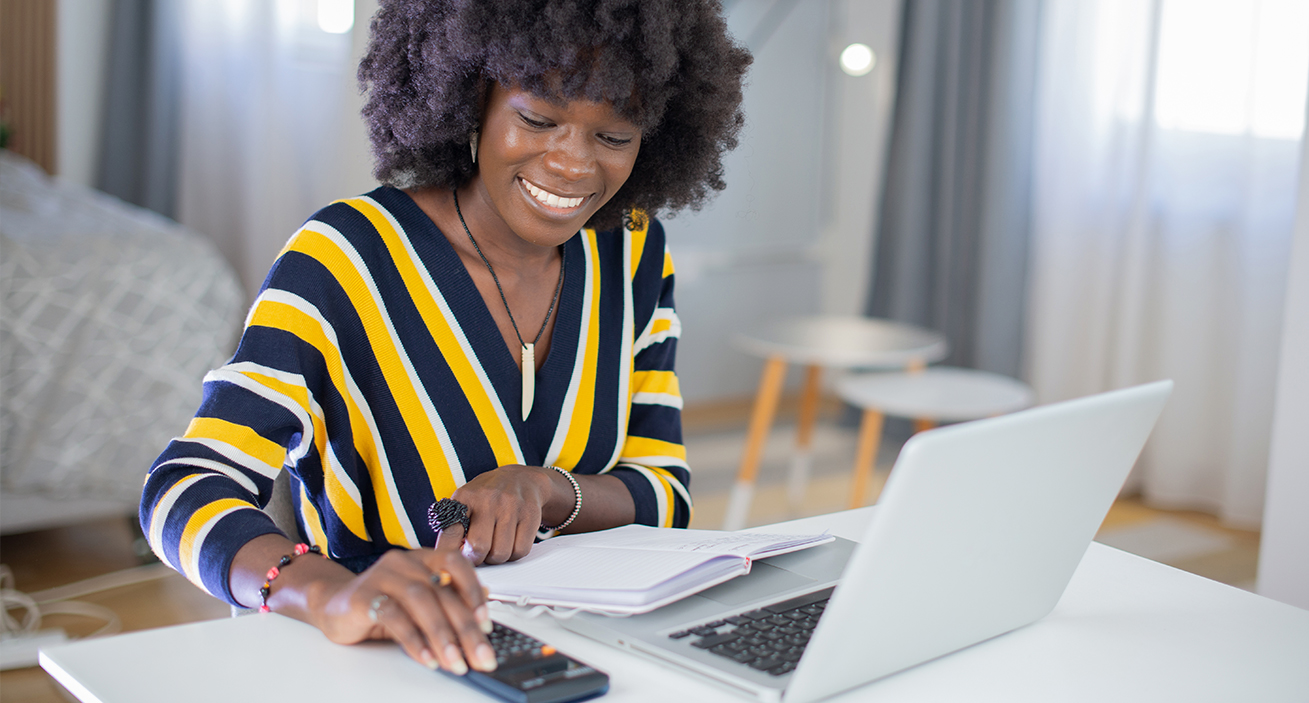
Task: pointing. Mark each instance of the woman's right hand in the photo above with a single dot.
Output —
(436, 625)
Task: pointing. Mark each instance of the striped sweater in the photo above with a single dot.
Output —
(371, 370)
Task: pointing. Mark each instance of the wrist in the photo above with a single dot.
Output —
(568, 499)
(316, 594)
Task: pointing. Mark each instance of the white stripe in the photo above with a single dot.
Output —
(235, 374)
(217, 466)
(235, 454)
(464, 345)
(356, 396)
(192, 570)
(661, 497)
(159, 516)
(669, 399)
(648, 339)
(677, 486)
(570, 397)
(624, 397)
(425, 400)
(662, 462)
(333, 461)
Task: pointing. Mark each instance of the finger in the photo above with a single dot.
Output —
(463, 581)
(475, 647)
(438, 622)
(525, 538)
(502, 541)
(391, 616)
(481, 533)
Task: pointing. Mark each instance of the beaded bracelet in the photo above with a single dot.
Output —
(299, 550)
(577, 502)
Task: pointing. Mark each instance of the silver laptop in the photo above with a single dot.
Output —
(977, 533)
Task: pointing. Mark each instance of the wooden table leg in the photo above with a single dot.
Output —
(765, 406)
(870, 437)
(802, 460)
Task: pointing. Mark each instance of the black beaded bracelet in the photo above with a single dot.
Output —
(447, 513)
(299, 550)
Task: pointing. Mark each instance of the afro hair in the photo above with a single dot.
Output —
(669, 66)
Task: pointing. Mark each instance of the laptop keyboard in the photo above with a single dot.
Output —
(770, 639)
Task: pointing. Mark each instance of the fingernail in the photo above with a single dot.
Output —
(483, 616)
(456, 659)
(486, 657)
(429, 659)
(486, 592)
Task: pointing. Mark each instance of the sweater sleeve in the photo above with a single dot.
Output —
(653, 460)
(261, 412)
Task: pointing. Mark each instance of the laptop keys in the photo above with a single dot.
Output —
(771, 639)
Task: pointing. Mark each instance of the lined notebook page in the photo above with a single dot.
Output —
(588, 568)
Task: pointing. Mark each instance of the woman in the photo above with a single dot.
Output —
(480, 352)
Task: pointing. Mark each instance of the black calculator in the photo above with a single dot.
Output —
(530, 671)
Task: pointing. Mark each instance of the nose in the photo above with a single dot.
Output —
(571, 156)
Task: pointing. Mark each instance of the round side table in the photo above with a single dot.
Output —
(836, 342)
(938, 394)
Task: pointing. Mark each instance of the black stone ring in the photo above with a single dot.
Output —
(447, 513)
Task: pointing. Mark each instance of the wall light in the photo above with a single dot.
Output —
(857, 59)
(336, 16)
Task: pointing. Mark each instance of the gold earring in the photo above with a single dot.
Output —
(472, 145)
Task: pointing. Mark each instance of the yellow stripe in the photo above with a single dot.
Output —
(579, 426)
(638, 243)
(646, 447)
(312, 520)
(662, 324)
(388, 358)
(343, 504)
(667, 479)
(655, 382)
(285, 317)
(668, 263)
(240, 437)
(201, 517)
(497, 432)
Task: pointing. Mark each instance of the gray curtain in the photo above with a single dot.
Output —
(951, 249)
(139, 146)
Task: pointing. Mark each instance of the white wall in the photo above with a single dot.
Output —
(860, 111)
(792, 232)
(1284, 549)
(81, 65)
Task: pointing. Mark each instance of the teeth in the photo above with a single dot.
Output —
(550, 199)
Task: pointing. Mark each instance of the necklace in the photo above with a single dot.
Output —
(529, 350)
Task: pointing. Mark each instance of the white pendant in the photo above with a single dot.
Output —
(529, 378)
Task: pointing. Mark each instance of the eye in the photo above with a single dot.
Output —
(615, 141)
(534, 123)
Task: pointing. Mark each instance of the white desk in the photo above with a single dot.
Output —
(1127, 629)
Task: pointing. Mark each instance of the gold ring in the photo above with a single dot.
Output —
(441, 578)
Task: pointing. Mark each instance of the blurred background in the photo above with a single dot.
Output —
(1081, 195)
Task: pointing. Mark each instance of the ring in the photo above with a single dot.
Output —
(441, 578)
(375, 607)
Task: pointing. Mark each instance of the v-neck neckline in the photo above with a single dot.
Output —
(473, 315)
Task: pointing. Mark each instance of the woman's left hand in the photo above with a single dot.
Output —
(504, 508)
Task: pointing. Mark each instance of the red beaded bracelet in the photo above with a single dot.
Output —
(299, 550)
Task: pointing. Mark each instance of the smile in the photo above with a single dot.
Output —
(549, 199)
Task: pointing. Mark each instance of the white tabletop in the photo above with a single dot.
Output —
(1127, 629)
(844, 342)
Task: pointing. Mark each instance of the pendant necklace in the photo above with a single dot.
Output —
(529, 353)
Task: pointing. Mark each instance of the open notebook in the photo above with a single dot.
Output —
(632, 569)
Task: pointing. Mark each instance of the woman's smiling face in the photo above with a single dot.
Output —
(545, 168)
